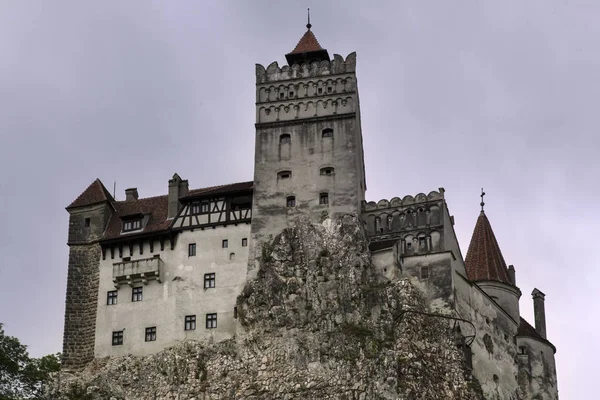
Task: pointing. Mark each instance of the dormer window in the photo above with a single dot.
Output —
(204, 207)
(132, 225)
(327, 132)
(195, 209)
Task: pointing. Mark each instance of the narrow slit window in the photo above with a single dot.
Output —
(87, 223)
(204, 207)
(327, 171)
(191, 249)
(327, 132)
(425, 272)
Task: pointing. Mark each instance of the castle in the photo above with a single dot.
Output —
(145, 273)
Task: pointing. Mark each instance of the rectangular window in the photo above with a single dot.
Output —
(290, 201)
(225, 243)
(422, 242)
(117, 338)
(195, 209)
(211, 321)
(87, 222)
(324, 198)
(425, 272)
(235, 312)
(204, 207)
(111, 297)
(191, 249)
(209, 281)
(151, 334)
(132, 225)
(136, 294)
(244, 242)
(190, 322)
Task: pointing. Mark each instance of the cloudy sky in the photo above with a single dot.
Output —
(461, 95)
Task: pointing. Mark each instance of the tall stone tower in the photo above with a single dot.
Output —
(309, 151)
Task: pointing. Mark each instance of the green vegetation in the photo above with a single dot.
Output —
(22, 377)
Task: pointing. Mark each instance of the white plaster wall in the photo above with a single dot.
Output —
(385, 263)
(181, 293)
(489, 319)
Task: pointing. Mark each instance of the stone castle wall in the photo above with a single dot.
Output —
(81, 305)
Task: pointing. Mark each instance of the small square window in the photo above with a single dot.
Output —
(87, 223)
(320, 90)
(281, 95)
(117, 338)
(291, 201)
(209, 281)
(204, 207)
(191, 249)
(408, 246)
(151, 334)
(111, 297)
(190, 322)
(327, 132)
(225, 244)
(136, 294)
(329, 89)
(324, 198)
(244, 242)
(291, 94)
(211, 321)
(425, 272)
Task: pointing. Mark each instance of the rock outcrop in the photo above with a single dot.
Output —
(318, 322)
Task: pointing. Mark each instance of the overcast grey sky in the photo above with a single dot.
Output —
(461, 95)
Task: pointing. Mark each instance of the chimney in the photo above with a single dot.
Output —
(131, 194)
(539, 312)
(177, 189)
(511, 275)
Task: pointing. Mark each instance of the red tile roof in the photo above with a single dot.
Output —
(484, 261)
(157, 210)
(95, 193)
(307, 44)
(525, 329)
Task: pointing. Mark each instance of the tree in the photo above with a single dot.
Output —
(22, 377)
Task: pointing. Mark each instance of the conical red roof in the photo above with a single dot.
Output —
(484, 260)
(95, 193)
(307, 43)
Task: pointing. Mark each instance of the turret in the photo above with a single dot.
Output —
(485, 266)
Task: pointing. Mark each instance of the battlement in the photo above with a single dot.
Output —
(274, 73)
(405, 201)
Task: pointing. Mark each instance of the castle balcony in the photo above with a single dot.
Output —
(136, 271)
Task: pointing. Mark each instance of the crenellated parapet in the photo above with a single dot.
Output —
(417, 221)
(274, 73)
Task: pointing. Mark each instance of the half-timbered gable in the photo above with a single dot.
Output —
(233, 205)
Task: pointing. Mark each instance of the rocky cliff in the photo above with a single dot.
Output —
(316, 323)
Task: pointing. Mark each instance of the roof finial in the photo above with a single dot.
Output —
(482, 203)
(308, 25)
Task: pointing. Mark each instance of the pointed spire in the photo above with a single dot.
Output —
(95, 193)
(308, 48)
(482, 203)
(484, 261)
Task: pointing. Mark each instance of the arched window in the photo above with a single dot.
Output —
(290, 201)
(285, 138)
(232, 256)
(390, 219)
(327, 132)
(327, 171)
(284, 175)
(377, 224)
(324, 198)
